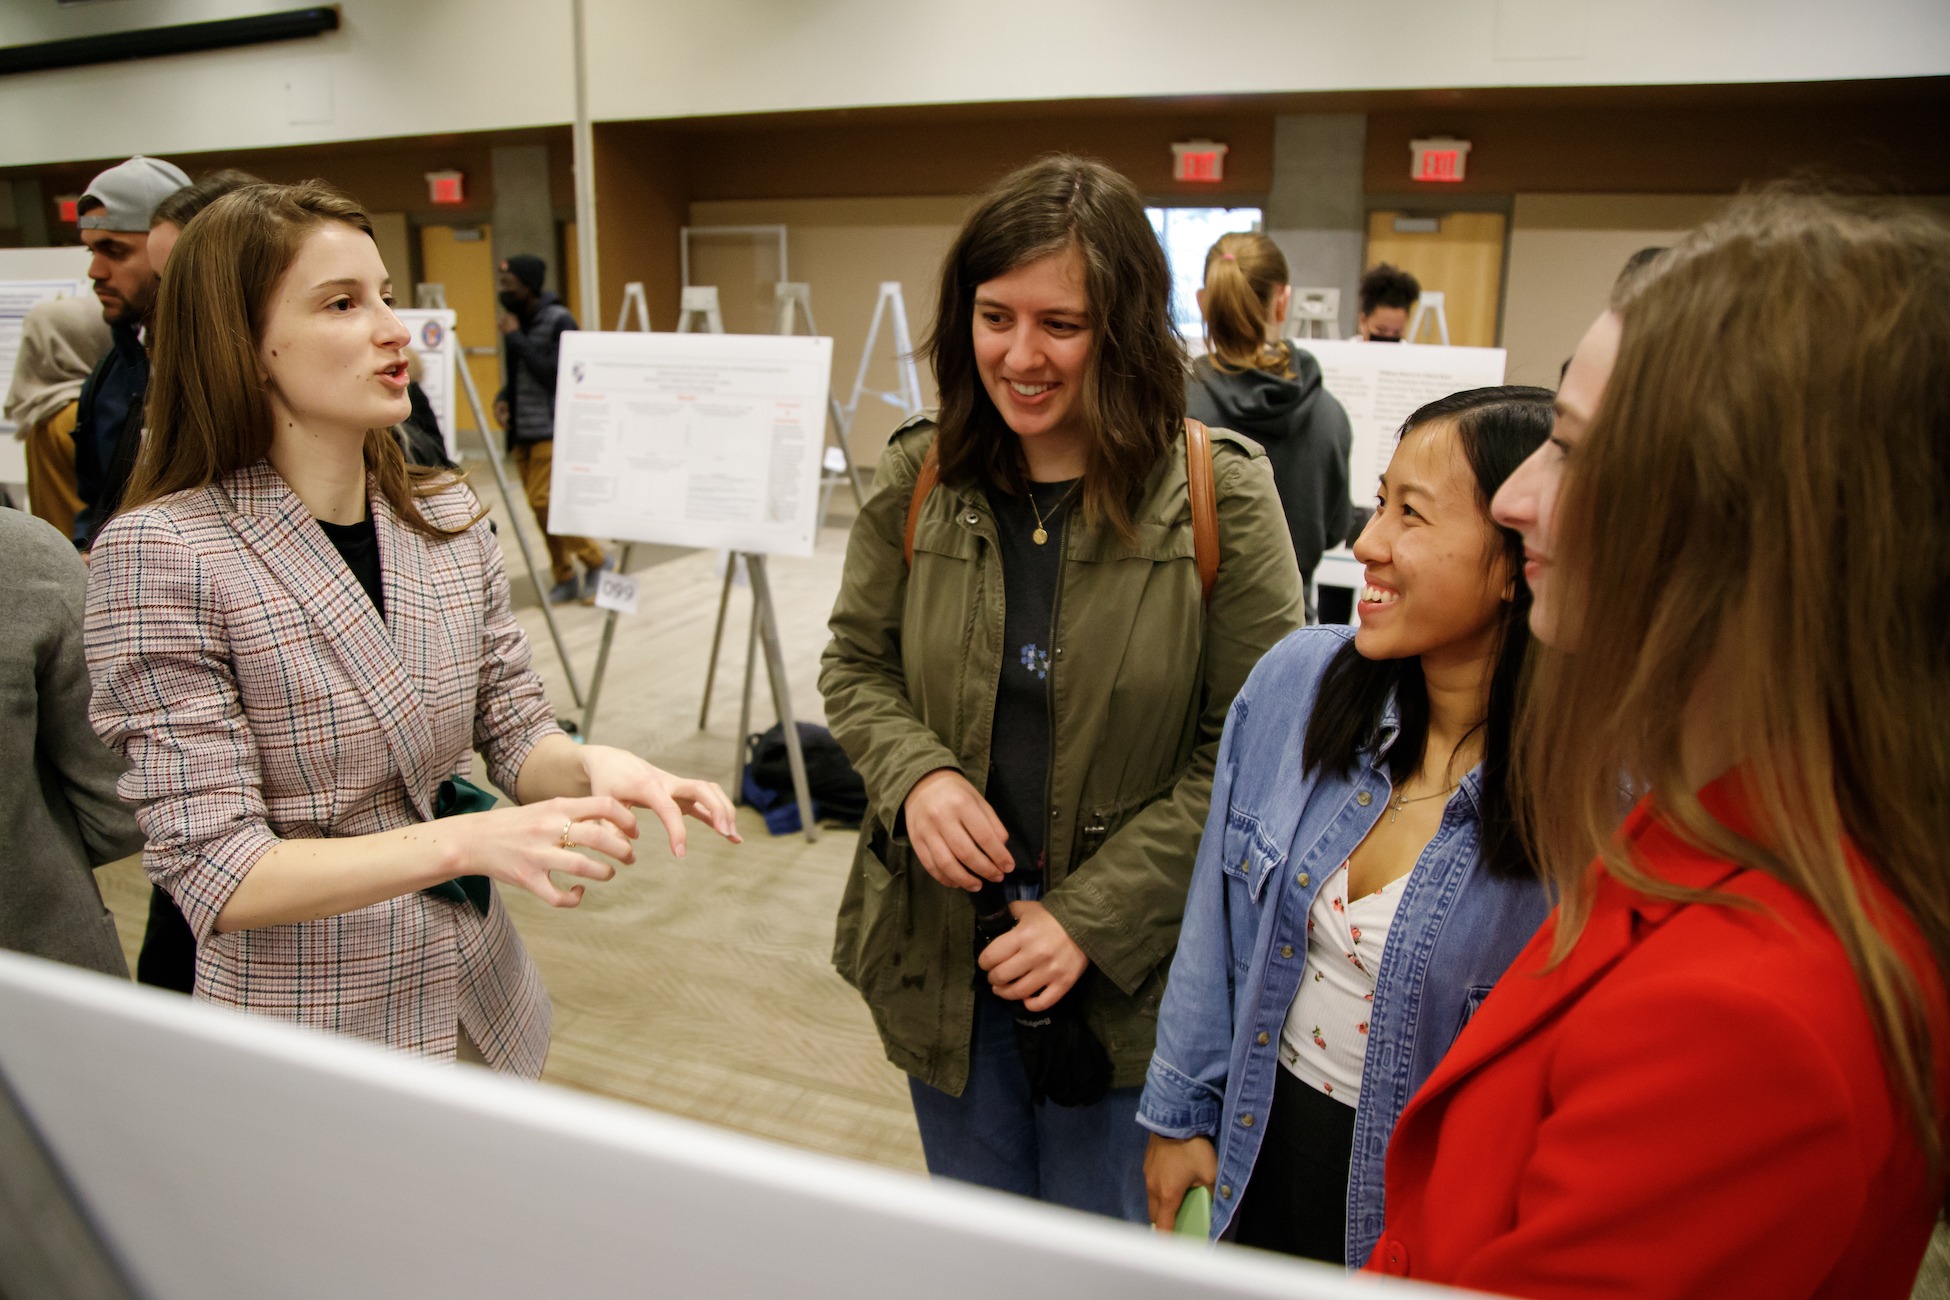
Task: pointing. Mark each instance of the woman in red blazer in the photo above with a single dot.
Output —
(1720, 1068)
(298, 643)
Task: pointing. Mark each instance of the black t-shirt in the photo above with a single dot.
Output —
(358, 546)
(1020, 741)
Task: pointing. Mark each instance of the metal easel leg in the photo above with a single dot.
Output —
(602, 657)
(745, 704)
(514, 526)
(717, 640)
(781, 693)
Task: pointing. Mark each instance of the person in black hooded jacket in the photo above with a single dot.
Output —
(1252, 382)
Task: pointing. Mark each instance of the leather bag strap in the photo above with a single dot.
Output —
(1205, 504)
(923, 486)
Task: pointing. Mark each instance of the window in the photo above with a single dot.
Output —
(1188, 235)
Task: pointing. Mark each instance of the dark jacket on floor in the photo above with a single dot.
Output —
(60, 817)
(531, 353)
(1306, 436)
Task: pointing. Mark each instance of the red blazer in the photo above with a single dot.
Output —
(1692, 1104)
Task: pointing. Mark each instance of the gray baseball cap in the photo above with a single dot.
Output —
(129, 192)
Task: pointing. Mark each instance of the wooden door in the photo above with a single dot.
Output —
(462, 259)
(1462, 257)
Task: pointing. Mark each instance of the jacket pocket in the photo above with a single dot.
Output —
(881, 866)
(1472, 998)
(1104, 821)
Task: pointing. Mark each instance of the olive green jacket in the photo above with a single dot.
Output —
(1141, 676)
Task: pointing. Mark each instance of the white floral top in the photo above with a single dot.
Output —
(1325, 1039)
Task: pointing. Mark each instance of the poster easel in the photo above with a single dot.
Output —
(794, 299)
(435, 296)
(1428, 307)
(907, 397)
(763, 635)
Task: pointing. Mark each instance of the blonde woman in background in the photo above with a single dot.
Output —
(1252, 382)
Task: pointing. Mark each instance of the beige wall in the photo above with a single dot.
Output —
(843, 248)
(1565, 251)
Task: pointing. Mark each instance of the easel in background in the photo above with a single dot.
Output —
(435, 296)
(907, 398)
(699, 300)
(1314, 314)
(1429, 305)
(702, 300)
(794, 300)
(633, 297)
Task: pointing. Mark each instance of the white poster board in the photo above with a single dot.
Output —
(1381, 385)
(221, 1154)
(703, 440)
(435, 345)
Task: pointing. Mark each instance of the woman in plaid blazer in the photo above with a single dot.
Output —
(296, 641)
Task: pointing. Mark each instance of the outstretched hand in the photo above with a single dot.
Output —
(519, 846)
(623, 776)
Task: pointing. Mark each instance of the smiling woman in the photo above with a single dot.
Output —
(1036, 707)
(297, 641)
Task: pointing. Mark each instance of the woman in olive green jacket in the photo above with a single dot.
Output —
(1035, 697)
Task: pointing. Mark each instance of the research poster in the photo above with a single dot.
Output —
(1382, 384)
(434, 344)
(704, 440)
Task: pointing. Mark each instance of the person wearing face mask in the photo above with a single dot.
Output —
(1034, 646)
(1361, 882)
(1388, 294)
(114, 214)
(297, 641)
(1252, 382)
(532, 323)
(1722, 1067)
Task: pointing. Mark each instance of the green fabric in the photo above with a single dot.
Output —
(459, 795)
(1141, 679)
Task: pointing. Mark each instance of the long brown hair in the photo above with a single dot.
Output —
(1133, 395)
(207, 414)
(1244, 270)
(1763, 491)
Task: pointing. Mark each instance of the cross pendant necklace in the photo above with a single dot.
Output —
(1396, 804)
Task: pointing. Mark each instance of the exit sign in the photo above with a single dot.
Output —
(69, 206)
(1201, 161)
(449, 189)
(1441, 160)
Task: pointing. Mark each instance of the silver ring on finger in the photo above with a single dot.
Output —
(567, 841)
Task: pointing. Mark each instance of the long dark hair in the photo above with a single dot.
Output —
(1498, 428)
(1133, 395)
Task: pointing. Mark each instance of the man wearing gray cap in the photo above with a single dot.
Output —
(114, 220)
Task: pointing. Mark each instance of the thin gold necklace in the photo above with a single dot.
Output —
(1041, 534)
(1398, 803)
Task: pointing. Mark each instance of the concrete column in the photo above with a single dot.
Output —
(524, 219)
(1317, 210)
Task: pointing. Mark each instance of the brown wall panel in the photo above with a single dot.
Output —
(1684, 150)
(642, 200)
(869, 158)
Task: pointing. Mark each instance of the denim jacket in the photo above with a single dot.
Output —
(1272, 838)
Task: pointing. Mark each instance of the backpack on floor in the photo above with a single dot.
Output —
(838, 793)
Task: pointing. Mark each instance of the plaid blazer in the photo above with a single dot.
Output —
(258, 696)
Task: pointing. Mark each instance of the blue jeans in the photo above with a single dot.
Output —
(1085, 1157)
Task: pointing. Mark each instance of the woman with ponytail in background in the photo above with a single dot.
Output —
(1253, 382)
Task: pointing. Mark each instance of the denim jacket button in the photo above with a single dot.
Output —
(1364, 798)
(1303, 880)
(1245, 1121)
(1225, 1191)
(1264, 1038)
(1286, 950)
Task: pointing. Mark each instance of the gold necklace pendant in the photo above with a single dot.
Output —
(1040, 536)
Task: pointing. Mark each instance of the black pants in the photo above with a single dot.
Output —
(1296, 1202)
(168, 957)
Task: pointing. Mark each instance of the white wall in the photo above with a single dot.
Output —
(394, 68)
(422, 67)
(732, 56)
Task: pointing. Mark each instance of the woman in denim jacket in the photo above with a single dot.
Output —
(1360, 884)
